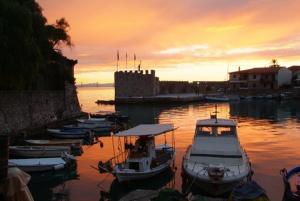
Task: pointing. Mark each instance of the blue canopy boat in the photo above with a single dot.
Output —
(291, 181)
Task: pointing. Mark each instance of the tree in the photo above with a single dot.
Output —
(28, 45)
(274, 63)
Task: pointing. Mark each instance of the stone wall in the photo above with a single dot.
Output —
(136, 84)
(30, 109)
(176, 87)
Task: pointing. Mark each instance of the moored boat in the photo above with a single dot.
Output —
(291, 182)
(216, 162)
(41, 164)
(110, 116)
(62, 142)
(39, 151)
(144, 159)
(70, 134)
(217, 98)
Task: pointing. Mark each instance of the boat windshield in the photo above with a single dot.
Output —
(216, 131)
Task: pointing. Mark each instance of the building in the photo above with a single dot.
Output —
(130, 84)
(270, 78)
(295, 75)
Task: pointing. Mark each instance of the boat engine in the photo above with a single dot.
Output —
(216, 174)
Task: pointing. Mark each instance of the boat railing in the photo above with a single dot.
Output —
(108, 165)
(204, 170)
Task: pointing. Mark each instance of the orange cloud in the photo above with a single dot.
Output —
(193, 40)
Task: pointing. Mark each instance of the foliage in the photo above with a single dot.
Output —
(29, 46)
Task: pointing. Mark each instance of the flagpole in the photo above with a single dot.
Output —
(126, 60)
(134, 58)
(117, 60)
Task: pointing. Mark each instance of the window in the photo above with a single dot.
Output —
(234, 75)
(254, 85)
(216, 131)
(254, 76)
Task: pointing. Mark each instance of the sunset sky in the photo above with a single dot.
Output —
(181, 40)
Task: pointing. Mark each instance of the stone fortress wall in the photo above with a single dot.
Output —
(130, 84)
(136, 84)
(31, 109)
(175, 87)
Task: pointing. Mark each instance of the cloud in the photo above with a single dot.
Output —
(173, 33)
(184, 49)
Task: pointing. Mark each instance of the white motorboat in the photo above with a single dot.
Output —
(215, 162)
(38, 151)
(41, 164)
(144, 159)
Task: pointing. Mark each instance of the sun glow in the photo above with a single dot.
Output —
(190, 40)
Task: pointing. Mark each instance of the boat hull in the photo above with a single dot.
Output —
(123, 176)
(66, 134)
(210, 188)
(38, 165)
(38, 151)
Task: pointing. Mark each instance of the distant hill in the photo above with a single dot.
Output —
(95, 85)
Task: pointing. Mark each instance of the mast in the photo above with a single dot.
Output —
(216, 113)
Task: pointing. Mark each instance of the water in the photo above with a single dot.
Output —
(268, 130)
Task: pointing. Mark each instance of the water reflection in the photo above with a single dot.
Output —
(266, 109)
(51, 186)
(268, 130)
(119, 190)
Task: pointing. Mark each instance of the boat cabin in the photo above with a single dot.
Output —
(216, 142)
(215, 127)
(141, 154)
(144, 154)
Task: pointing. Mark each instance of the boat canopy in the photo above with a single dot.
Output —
(146, 130)
(216, 122)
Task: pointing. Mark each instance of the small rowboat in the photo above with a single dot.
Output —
(69, 134)
(110, 116)
(62, 142)
(41, 164)
(92, 120)
(95, 128)
(38, 151)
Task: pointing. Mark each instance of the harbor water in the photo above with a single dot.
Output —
(268, 130)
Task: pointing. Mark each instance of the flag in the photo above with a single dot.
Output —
(134, 57)
(118, 56)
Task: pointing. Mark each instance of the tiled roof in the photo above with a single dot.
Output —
(294, 68)
(259, 70)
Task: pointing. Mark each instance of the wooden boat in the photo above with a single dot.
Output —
(291, 181)
(110, 116)
(41, 164)
(92, 120)
(93, 127)
(70, 134)
(144, 159)
(62, 142)
(39, 151)
(216, 162)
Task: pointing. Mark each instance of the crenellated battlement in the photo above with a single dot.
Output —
(136, 84)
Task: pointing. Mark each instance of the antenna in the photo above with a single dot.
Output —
(216, 113)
